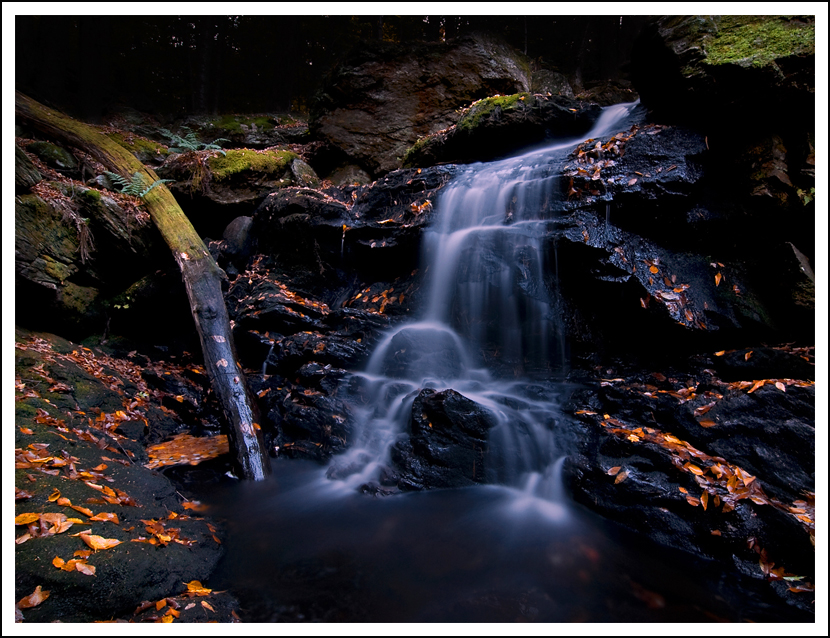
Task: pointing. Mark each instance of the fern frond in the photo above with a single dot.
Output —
(153, 185)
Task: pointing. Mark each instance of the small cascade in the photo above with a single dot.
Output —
(488, 328)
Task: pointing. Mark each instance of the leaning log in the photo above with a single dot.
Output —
(202, 277)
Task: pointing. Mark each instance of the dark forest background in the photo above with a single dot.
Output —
(173, 65)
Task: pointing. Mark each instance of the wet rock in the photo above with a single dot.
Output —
(499, 126)
(304, 175)
(547, 82)
(447, 442)
(79, 398)
(384, 96)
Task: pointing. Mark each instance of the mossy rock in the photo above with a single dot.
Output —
(146, 151)
(236, 161)
(491, 107)
(53, 155)
(760, 40)
(234, 123)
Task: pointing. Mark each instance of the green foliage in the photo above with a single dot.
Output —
(135, 186)
(477, 110)
(179, 144)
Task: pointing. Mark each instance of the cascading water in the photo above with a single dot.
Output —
(304, 547)
(488, 326)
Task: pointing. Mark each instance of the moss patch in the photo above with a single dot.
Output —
(485, 107)
(233, 123)
(245, 159)
(137, 144)
(758, 40)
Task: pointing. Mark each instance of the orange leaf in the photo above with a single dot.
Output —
(718, 277)
(654, 269)
(747, 355)
(206, 605)
(692, 500)
(64, 501)
(715, 532)
(166, 619)
(26, 519)
(84, 568)
(707, 423)
(195, 587)
(58, 562)
(613, 471)
(756, 385)
(26, 431)
(683, 489)
(83, 510)
(621, 477)
(720, 353)
(33, 599)
(98, 542)
(160, 604)
(780, 386)
(54, 496)
(105, 516)
(704, 499)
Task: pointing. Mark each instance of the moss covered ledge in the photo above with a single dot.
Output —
(269, 162)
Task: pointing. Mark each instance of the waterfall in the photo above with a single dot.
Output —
(488, 330)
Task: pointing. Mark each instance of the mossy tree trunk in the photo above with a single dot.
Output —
(202, 277)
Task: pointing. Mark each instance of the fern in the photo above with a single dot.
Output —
(135, 186)
(179, 144)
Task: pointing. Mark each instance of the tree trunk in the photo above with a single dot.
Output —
(202, 277)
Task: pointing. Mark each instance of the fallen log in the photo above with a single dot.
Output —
(202, 277)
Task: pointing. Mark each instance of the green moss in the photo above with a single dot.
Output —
(92, 195)
(233, 123)
(244, 159)
(485, 107)
(758, 40)
(137, 144)
(53, 155)
(416, 149)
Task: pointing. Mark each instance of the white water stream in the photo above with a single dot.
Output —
(485, 263)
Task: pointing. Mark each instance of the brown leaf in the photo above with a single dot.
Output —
(632, 181)
(105, 516)
(692, 500)
(33, 599)
(64, 501)
(621, 477)
(206, 605)
(707, 423)
(84, 568)
(614, 470)
(83, 510)
(756, 385)
(747, 355)
(704, 499)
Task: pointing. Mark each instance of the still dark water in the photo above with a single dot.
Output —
(299, 551)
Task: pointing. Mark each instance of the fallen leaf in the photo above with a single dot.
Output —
(85, 568)
(33, 599)
(715, 532)
(64, 501)
(747, 355)
(58, 562)
(614, 470)
(26, 519)
(195, 587)
(718, 277)
(621, 477)
(105, 516)
(720, 353)
(160, 604)
(692, 500)
(26, 431)
(707, 423)
(206, 605)
(780, 386)
(98, 542)
(704, 499)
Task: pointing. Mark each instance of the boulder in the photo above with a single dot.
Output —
(385, 96)
(447, 442)
(74, 249)
(738, 70)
